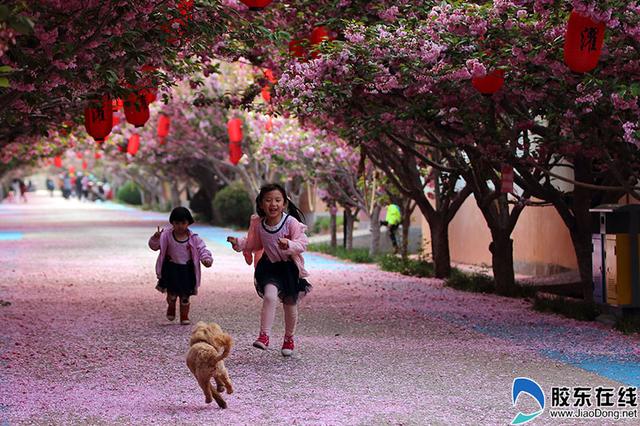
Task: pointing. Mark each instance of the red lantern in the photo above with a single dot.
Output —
(57, 161)
(296, 49)
(234, 128)
(98, 155)
(136, 109)
(78, 155)
(84, 165)
(72, 170)
(134, 144)
(164, 122)
(235, 152)
(256, 4)
(318, 35)
(116, 119)
(490, 83)
(266, 93)
(583, 43)
(98, 119)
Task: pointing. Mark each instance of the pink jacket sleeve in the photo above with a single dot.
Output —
(203, 252)
(251, 243)
(298, 240)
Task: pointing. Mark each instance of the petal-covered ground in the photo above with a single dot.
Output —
(84, 339)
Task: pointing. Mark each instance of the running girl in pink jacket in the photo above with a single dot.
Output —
(178, 263)
(277, 232)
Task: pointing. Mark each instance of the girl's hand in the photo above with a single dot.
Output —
(233, 241)
(283, 243)
(158, 232)
(207, 262)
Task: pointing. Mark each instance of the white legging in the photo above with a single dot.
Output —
(268, 313)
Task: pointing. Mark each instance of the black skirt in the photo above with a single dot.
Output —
(284, 275)
(176, 279)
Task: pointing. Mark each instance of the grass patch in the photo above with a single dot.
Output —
(412, 267)
(356, 255)
(580, 310)
(475, 282)
(481, 283)
(628, 324)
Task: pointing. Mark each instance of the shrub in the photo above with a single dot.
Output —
(232, 206)
(413, 267)
(129, 193)
(323, 223)
(629, 324)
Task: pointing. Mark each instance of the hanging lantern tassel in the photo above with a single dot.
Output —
(234, 128)
(266, 93)
(506, 180)
(134, 144)
(164, 124)
(268, 126)
(235, 152)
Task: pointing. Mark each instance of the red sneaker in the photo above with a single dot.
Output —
(287, 346)
(262, 342)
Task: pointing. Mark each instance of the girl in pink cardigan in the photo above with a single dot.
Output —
(178, 263)
(277, 240)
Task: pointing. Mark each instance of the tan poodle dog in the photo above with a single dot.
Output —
(209, 346)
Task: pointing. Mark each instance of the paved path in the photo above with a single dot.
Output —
(84, 340)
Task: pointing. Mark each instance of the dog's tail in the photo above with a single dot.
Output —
(226, 342)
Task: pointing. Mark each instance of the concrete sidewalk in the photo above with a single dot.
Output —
(85, 341)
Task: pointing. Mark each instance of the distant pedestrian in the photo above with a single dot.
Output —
(280, 274)
(23, 190)
(66, 186)
(178, 263)
(15, 189)
(392, 222)
(50, 186)
(79, 186)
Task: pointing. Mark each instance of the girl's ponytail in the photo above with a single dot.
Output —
(295, 211)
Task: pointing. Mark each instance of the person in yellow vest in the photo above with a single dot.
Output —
(392, 222)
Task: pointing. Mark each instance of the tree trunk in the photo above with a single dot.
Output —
(334, 229)
(374, 227)
(175, 195)
(349, 220)
(582, 241)
(440, 246)
(502, 260)
(406, 225)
